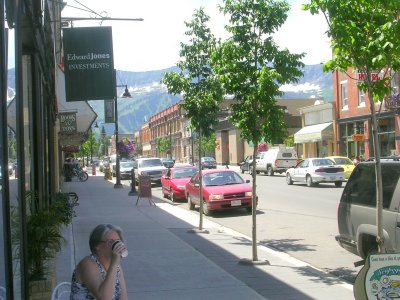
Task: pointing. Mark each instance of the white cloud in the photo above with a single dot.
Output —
(305, 87)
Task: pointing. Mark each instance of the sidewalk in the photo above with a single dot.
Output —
(166, 261)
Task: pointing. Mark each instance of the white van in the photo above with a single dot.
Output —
(276, 160)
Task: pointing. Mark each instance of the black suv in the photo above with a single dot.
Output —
(357, 209)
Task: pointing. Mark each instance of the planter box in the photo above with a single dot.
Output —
(42, 289)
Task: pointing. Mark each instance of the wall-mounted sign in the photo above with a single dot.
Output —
(357, 137)
(67, 122)
(88, 63)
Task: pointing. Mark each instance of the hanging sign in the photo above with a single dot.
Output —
(67, 122)
(109, 111)
(88, 63)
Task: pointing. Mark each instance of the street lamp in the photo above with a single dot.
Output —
(126, 94)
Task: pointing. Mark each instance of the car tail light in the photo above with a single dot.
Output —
(319, 170)
(248, 194)
(276, 162)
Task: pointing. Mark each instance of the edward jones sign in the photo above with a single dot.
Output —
(88, 63)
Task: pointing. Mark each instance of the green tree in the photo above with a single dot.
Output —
(163, 145)
(252, 68)
(365, 37)
(202, 90)
(207, 144)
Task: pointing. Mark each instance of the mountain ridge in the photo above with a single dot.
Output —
(149, 96)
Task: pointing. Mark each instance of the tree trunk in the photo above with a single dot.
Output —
(254, 203)
(200, 186)
(379, 193)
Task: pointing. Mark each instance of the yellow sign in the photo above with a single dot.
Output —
(357, 137)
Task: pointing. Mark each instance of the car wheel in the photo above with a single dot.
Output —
(309, 181)
(289, 180)
(249, 209)
(206, 212)
(338, 183)
(270, 172)
(191, 204)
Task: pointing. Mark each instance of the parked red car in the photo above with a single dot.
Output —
(174, 181)
(223, 189)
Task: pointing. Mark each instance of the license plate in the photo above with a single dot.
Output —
(236, 202)
(333, 177)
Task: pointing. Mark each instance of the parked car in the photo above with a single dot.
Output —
(246, 164)
(174, 181)
(223, 189)
(208, 163)
(314, 171)
(151, 166)
(168, 162)
(357, 209)
(276, 160)
(125, 170)
(345, 162)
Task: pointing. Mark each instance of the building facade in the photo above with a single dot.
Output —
(353, 115)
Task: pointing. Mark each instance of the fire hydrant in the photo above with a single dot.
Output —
(93, 169)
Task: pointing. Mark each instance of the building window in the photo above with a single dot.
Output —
(361, 98)
(395, 82)
(345, 100)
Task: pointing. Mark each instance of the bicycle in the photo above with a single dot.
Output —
(79, 173)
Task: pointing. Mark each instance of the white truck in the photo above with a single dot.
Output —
(276, 160)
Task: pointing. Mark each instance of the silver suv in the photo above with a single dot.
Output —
(151, 166)
(357, 209)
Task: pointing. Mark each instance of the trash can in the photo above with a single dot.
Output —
(107, 173)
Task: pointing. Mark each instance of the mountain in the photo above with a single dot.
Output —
(149, 96)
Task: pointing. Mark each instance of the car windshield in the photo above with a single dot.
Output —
(208, 159)
(322, 162)
(126, 165)
(222, 178)
(151, 163)
(343, 161)
(184, 173)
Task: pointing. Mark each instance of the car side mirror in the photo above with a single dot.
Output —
(247, 180)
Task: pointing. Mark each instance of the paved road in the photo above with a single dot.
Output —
(296, 219)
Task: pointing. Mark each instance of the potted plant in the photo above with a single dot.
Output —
(44, 222)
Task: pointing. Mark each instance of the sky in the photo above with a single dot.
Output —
(154, 43)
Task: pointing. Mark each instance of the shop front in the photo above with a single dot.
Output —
(315, 140)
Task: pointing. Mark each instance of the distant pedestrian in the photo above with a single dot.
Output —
(356, 160)
(99, 275)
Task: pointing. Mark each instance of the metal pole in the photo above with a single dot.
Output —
(191, 134)
(170, 141)
(117, 184)
(91, 146)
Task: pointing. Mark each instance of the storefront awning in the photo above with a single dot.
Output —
(314, 133)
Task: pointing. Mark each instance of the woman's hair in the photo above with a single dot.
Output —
(99, 232)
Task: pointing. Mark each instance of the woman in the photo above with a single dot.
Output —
(99, 275)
